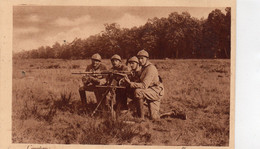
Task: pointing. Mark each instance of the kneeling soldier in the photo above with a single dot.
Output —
(133, 62)
(90, 81)
(135, 69)
(148, 88)
(121, 99)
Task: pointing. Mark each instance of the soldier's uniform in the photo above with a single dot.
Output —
(121, 97)
(120, 68)
(101, 68)
(150, 89)
(133, 77)
(90, 85)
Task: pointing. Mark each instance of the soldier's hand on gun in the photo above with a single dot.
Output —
(133, 85)
(102, 81)
(91, 78)
(84, 79)
(126, 79)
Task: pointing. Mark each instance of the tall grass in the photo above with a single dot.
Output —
(47, 107)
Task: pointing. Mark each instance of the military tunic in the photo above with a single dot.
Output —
(97, 77)
(120, 68)
(135, 76)
(150, 89)
(91, 85)
(121, 97)
(100, 68)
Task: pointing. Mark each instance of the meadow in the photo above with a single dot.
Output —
(46, 106)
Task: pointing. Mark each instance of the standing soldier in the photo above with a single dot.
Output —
(121, 98)
(90, 81)
(149, 89)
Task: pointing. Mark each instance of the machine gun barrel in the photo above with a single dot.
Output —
(103, 73)
(94, 73)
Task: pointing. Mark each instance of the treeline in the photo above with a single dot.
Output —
(178, 36)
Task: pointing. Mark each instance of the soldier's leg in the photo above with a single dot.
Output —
(121, 99)
(153, 99)
(131, 105)
(140, 102)
(82, 93)
(154, 107)
(141, 108)
(100, 96)
(124, 100)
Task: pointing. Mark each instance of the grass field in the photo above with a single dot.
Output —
(46, 106)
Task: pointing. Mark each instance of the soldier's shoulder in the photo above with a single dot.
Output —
(103, 67)
(125, 68)
(151, 67)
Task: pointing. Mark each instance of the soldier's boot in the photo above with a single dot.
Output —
(83, 98)
(140, 108)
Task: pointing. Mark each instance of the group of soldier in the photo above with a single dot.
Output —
(143, 84)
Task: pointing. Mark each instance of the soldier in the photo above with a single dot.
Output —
(133, 62)
(135, 69)
(149, 88)
(117, 63)
(90, 81)
(121, 99)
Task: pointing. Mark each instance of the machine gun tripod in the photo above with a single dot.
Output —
(112, 90)
(113, 83)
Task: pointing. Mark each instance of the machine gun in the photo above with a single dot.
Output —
(119, 75)
(95, 73)
(113, 82)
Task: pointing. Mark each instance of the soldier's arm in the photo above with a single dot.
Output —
(146, 82)
(103, 67)
(95, 80)
(103, 80)
(85, 78)
(125, 68)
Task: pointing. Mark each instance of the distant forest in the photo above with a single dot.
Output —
(177, 36)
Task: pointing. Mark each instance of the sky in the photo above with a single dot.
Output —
(35, 26)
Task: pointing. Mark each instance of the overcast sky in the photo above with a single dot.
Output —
(35, 26)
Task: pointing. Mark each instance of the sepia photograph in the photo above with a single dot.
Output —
(122, 75)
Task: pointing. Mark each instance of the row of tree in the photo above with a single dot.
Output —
(178, 36)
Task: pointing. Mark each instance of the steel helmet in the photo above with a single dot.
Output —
(143, 53)
(133, 59)
(96, 57)
(116, 57)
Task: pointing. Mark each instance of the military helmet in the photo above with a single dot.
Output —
(143, 53)
(96, 57)
(116, 57)
(133, 59)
